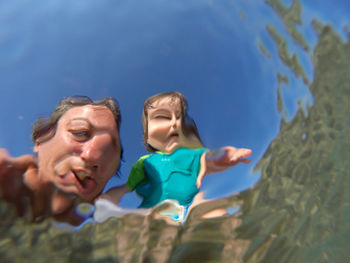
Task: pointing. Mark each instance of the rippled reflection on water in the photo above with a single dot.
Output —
(298, 211)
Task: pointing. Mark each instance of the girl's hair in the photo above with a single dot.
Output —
(189, 127)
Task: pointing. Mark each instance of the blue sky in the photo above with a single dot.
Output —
(134, 49)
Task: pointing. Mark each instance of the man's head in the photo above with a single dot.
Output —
(78, 146)
(45, 128)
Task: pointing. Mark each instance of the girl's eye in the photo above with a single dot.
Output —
(162, 117)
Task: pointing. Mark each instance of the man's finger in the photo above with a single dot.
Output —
(23, 162)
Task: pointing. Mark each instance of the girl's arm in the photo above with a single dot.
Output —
(136, 176)
(115, 194)
(217, 161)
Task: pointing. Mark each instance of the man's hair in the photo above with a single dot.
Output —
(189, 127)
(45, 128)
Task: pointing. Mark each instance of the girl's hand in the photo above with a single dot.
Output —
(226, 157)
(220, 160)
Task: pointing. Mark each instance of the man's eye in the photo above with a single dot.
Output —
(80, 134)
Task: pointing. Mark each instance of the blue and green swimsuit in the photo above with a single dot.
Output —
(159, 176)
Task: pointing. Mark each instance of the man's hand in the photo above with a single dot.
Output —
(12, 186)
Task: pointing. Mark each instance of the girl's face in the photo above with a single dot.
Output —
(165, 125)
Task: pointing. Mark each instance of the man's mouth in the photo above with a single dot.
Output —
(84, 178)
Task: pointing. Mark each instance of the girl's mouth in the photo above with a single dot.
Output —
(174, 135)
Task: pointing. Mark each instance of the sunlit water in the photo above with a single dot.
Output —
(298, 211)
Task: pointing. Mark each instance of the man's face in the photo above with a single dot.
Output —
(83, 154)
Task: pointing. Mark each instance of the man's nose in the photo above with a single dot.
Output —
(91, 154)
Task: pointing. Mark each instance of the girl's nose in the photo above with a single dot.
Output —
(174, 122)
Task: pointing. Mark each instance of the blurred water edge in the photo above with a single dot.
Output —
(298, 211)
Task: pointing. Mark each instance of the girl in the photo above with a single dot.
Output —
(178, 161)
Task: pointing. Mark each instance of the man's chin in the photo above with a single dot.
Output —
(61, 202)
